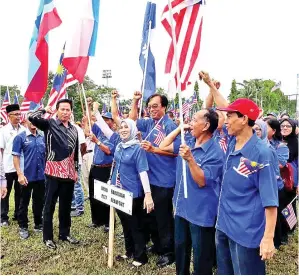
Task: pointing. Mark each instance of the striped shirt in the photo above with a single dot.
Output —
(62, 146)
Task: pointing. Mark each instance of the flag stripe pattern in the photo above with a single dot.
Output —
(46, 20)
(289, 215)
(223, 144)
(160, 135)
(188, 20)
(5, 103)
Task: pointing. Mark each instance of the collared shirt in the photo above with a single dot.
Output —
(61, 146)
(100, 157)
(248, 186)
(200, 208)
(34, 150)
(129, 163)
(2, 174)
(7, 135)
(161, 168)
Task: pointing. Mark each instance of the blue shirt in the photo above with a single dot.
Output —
(100, 157)
(282, 151)
(129, 163)
(246, 191)
(161, 168)
(200, 207)
(34, 150)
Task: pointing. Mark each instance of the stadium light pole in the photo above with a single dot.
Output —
(107, 75)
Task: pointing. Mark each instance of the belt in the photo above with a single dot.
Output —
(89, 151)
(103, 166)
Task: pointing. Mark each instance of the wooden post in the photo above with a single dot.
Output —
(111, 237)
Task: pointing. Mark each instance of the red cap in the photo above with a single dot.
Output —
(245, 107)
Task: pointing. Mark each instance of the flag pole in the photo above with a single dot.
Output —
(87, 111)
(179, 92)
(145, 67)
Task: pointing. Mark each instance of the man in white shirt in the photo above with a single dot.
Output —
(7, 135)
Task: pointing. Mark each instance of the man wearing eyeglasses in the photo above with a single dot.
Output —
(7, 135)
(161, 173)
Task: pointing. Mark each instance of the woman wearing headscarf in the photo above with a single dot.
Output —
(261, 129)
(130, 173)
(288, 131)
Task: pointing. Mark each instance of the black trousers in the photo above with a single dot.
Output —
(63, 189)
(99, 211)
(37, 188)
(133, 228)
(10, 178)
(160, 222)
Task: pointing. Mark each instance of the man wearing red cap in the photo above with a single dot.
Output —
(249, 197)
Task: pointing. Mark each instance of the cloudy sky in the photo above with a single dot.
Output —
(241, 39)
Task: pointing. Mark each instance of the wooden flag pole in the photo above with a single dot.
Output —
(82, 106)
(111, 237)
(145, 67)
(87, 111)
(179, 92)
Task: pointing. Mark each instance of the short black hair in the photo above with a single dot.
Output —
(274, 124)
(170, 113)
(163, 99)
(251, 122)
(70, 102)
(212, 117)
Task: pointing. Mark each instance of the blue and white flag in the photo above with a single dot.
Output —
(146, 58)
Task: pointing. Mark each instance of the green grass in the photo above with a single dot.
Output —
(32, 257)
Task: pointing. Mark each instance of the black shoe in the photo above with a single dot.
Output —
(50, 244)
(93, 225)
(69, 239)
(121, 258)
(77, 213)
(24, 234)
(38, 228)
(106, 229)
(164, 261)
(152, 249)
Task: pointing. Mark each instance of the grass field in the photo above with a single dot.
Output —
(32, 257)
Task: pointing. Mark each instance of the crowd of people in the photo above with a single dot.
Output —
(241, 173)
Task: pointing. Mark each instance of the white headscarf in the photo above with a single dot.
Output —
(132, 140)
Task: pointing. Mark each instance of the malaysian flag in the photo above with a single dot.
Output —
(186, 107)
(160, 135)
(5, 103)
(194, 98)
(188, 19)
(247, 167)
(118, 184)
(61, 81)
(223, 144)
(289, 215)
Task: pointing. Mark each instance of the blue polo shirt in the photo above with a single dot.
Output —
(100, 157)
(200, 208)
(282, 151)
(161, 168)
(246, 191)
(34, 150)
(129, 163)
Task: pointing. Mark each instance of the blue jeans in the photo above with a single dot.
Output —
(233, 258)
(78, 196)
(201, 240)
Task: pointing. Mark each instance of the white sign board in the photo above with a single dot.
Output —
(113, 196)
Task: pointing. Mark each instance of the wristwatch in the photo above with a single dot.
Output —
(99, 143)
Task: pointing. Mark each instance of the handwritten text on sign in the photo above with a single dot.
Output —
(113, 196)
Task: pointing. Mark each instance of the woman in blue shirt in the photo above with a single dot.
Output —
(270, 133)
(130, 174)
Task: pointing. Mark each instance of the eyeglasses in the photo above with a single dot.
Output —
(154, 106)
(15, 114)
(257, 129)
(285, 126)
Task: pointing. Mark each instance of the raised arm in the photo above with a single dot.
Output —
(114, 110)
(134, 110)
(219, 100)
(167, 143)
(36, 118)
